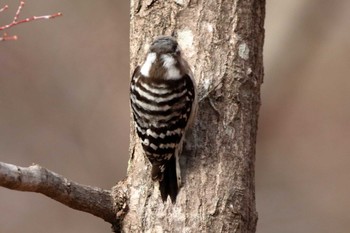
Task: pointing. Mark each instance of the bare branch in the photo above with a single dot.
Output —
(6, 37)
(35, 178)
(15, 20)
(4, 8)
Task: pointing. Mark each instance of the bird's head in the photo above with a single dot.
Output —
(164, 45)
(164, 60)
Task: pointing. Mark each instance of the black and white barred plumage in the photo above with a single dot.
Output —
(163, 103)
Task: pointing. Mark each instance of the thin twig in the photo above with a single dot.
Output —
(15, 20)
(21, 4)
(4, 8)
(6, 37)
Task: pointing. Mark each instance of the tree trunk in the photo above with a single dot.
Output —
(222, 41)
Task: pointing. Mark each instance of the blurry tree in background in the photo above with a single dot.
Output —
(303, 140)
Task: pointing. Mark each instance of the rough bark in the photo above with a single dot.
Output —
(223, 41)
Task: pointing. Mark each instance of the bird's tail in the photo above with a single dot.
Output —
(168, 180)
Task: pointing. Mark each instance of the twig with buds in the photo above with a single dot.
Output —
(15, 21)
(4, 8)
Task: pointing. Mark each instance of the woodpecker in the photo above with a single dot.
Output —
(163, 100)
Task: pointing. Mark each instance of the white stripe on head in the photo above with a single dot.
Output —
(146, 67)
(169, 63)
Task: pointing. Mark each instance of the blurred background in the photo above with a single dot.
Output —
(64, 105)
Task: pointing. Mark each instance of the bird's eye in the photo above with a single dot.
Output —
(175, 48)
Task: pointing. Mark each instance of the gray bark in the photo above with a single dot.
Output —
(222, 40)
